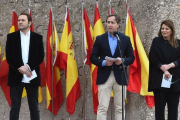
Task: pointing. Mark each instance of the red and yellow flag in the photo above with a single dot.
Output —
(0, 53)
(98, 30)
(54, 96)
(88, 37)
(68, 63)
(42, 69)
(139, 70)
(4, 69)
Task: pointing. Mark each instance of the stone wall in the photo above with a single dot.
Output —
(147, 16)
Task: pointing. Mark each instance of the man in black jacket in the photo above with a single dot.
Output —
(109, 75)
(24, 54)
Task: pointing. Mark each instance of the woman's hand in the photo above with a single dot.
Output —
(167, 75)
(166, 67)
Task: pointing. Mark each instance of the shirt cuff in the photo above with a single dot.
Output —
(104, 63)
(28, 67)
(176, 63)
(158, 66)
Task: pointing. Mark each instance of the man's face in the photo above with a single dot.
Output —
(112, 25)
(23, 23)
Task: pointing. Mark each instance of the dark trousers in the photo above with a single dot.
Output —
(162, 97)
(16, 95)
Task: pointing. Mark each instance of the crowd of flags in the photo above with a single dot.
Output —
(60, 55)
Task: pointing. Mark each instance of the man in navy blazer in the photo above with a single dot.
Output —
(24, 54)
(109, 74)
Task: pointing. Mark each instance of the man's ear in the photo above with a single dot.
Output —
(30, 23)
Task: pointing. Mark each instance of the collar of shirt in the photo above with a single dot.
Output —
(27, 34)
(112, 43)
(110, 36)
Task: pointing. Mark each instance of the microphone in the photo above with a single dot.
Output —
(115, 33)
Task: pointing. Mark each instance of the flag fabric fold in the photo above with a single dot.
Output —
(42, 70)
(68, 63)
(98, 30)
(54, 97)
(139, 70)
(4, 69)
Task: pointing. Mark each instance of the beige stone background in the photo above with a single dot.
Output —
(147, 15)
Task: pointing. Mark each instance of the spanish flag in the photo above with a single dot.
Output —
(88, 37)
(68, 63)
(98, 30)
(53, 95)
(42, 69)
(4, 69)
(139, 70)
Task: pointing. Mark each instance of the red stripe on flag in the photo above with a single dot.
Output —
(14, 21)
(62, 61)
(149, 101)
(88, 37)
(96, 14)
(95, 90)
(135, 75)
(43, 74)
(68, 20)
(57, 99)
(72, 97)
(5, 89)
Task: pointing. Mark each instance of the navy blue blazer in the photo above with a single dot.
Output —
(14, 57)
(101, 49)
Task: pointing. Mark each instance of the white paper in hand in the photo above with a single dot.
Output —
(166, 83)
(27, 80)
(110, 58)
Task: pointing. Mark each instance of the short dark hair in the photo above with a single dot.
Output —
(28, 16)
(117, 18)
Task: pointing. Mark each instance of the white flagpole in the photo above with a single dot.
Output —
(52, 48)
(83, 49)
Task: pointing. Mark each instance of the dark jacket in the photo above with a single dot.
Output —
(14, 57)
(162, 52)
(101, 49)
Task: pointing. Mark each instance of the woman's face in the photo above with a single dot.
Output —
(166, 31)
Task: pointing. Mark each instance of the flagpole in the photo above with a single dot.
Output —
(66, 13)
(52, 48)
(14, 5)
(83, 48)
(97, 3)
(110, 12)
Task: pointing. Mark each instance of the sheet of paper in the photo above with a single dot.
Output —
(166, 83)
(27, 80)
(110, 58)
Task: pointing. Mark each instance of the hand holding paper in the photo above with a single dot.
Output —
(166, 83)
(110, 58)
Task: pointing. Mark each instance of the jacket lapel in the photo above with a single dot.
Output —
(117, 48)
(19, 51)
(31, 44)
(106, 43)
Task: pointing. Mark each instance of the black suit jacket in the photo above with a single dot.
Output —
(101, 49)
(14, 57)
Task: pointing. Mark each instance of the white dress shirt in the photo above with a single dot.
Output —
(25, 42)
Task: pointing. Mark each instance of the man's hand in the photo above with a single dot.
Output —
(23, 69)
(29, 74)
(109, 62)
(119, 61)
